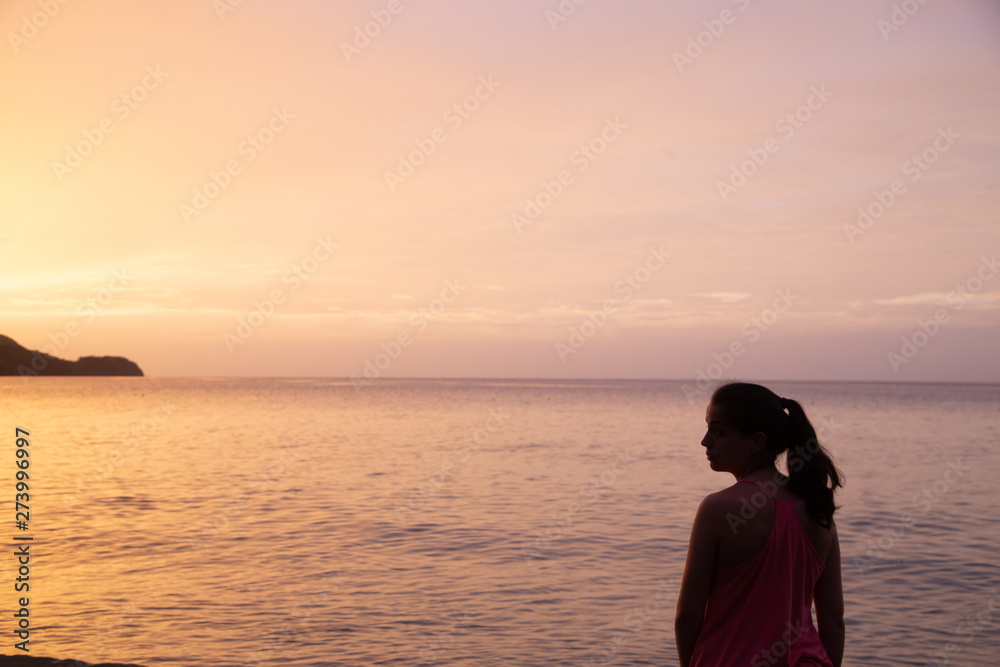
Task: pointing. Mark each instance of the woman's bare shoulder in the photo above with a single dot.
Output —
(724, 500)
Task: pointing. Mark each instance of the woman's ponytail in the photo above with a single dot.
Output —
(812, 475)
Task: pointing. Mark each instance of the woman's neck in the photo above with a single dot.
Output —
(758, 473)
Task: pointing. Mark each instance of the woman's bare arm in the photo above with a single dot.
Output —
(697, 581)
(829, 598)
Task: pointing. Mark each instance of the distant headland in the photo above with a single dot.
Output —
(18, 360)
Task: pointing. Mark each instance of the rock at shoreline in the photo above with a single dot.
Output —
(27, 661)
(17, 360)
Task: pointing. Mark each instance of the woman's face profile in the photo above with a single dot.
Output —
(727, 449)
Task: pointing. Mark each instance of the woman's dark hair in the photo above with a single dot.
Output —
(812, 475)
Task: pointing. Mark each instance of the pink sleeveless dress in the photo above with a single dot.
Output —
(760, 613)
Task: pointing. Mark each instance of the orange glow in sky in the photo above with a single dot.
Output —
(505, 189)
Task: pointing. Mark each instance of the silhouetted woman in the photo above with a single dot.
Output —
(765, 549)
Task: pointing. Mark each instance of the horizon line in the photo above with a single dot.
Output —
(348, 379)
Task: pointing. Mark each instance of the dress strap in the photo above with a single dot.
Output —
(761, 486)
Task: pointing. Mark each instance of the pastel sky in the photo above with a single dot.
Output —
(259, 188)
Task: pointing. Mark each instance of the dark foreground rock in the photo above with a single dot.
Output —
(28, 661)
(18, 360)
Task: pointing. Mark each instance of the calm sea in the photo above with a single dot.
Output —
(211, 522)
